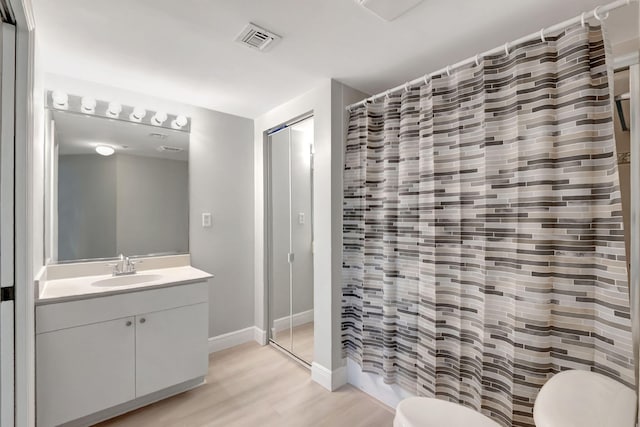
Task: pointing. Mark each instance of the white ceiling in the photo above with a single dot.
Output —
(81, 134)
(185, 50)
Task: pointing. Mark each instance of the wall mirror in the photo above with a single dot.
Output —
(116, 181)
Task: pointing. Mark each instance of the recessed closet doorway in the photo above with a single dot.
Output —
(290, 237)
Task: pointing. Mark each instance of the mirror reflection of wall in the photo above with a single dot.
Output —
(116, 187)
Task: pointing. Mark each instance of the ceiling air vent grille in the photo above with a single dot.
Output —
(169, 149)
(257, 38)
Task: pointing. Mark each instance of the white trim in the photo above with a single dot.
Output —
(374, 385)
(625, 61)
(7, 192)
(7, 415)
(260, 336)
(331, 380)
(27, 137)
(232, 339)
(634, 285)
(297, 319)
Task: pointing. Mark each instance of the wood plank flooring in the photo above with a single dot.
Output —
(252, 385)
(300, 342)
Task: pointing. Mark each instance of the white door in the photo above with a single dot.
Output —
(7, 146)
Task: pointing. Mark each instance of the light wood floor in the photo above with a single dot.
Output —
(251, 385)
(301, 343)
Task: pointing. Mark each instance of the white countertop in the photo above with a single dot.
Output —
(74, 288)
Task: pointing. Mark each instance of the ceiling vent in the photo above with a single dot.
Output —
(169, 149)
(158, 135)
(257, 38)
(389, 9)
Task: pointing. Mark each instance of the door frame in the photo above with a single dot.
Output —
(26, 135)
(268, 232)
(7, 189)
(634, 261)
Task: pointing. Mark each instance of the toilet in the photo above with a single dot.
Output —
(584, 399)
(569, 399)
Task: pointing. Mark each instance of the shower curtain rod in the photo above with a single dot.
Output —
(600, 13)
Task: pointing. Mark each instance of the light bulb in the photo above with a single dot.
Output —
(105, 150)
(114, 109)
(88, 104)
(59, 99)
(179, 122)
(159, 118)
(138, 114)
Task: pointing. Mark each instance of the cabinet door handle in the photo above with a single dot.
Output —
(143, 320)
(129, 323)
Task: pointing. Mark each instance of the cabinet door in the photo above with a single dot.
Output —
(171, 347)
(84, 369)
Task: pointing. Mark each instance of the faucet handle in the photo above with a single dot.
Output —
(132, 264)
(114, 267)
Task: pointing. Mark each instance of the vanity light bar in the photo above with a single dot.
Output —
(58, 100)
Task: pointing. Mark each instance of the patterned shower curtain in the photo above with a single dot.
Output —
(483, 241)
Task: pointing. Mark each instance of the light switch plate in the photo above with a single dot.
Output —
(206, 219)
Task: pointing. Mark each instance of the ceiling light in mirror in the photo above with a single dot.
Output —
(138, 114)
(105, 150)
(114, 109)
(88, 105)
(159, 118)
(179, 122)
(60, 99)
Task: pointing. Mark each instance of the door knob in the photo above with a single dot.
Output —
(143, 320)
(129, 323)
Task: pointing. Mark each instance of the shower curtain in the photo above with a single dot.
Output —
(483, 242)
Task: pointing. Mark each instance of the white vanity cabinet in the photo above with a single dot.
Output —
(169, 347)
(84, 369)
(98, 357)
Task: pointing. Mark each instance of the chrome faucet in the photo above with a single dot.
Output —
(124, 266)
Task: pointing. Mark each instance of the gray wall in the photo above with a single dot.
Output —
(220, 182)
(87, 217)
(153, 205)
(125, 204)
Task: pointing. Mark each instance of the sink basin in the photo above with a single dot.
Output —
(134, 279)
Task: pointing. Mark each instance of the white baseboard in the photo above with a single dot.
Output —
(374, 386)
(235, 338)
(331, 380)
(297, 319)
(260, 336)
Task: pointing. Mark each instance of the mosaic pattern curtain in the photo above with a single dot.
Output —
(483, 241)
